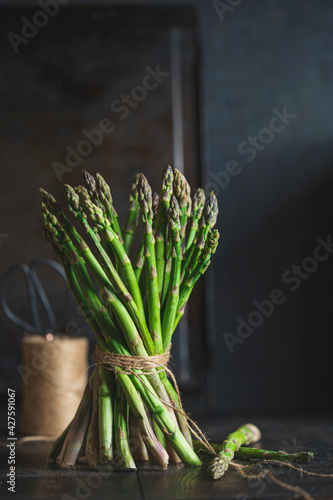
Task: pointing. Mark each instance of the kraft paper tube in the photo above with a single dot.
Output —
(54, 375)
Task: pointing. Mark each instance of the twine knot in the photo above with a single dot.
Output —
(127, 364)
(149, 365)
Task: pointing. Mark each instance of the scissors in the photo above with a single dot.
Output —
(36, 295)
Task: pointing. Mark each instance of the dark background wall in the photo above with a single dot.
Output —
(256, 61)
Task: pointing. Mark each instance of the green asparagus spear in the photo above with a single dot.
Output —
(198, 204)
(124, 456)
(246, 434)
(105, 414)
(245, 453)
(155, 202)
(75, 436)
(201, 267)
(206, 223)
(194, 274)
(173, 293)
(161, 233)
(303, 457)
(167, 277)
(137, 444)
(58, 444)
(105, 198)
(138, 263)
(90, 185)
(153, 300)
(92, 440)
(182, 192)
(132, 216)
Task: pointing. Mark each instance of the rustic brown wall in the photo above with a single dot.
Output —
(70, 79)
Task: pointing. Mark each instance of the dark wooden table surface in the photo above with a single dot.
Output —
(35, 478)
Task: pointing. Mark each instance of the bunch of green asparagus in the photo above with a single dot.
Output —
(133, 307)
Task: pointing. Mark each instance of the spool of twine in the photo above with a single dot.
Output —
(54, 375)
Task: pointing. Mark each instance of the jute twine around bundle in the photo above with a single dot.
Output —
(149, 365)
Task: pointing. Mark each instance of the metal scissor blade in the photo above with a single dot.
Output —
(37, 326)
(35, 291)
(40, 290)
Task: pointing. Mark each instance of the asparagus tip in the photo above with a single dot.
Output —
(255, 434)
(218, 466)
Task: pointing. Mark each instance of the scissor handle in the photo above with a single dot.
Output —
(34, 288)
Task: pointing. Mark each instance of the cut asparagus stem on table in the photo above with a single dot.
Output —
(302, 457)
(246, 434)
(246, 453)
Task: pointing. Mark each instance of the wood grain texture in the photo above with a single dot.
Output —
(37, 478)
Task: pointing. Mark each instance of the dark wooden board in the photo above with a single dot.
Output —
(37, 478)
